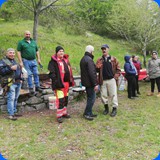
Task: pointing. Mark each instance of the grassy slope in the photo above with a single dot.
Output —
(74, 45)
(134, 134)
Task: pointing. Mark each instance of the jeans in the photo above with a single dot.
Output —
(32, 69)
(91, 97)
(12, 98)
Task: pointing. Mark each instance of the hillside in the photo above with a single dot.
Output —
(74, 45)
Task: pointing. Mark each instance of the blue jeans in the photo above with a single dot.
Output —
(91, 97)
(32, 69)
(12, 98)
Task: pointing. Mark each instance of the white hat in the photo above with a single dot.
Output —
(89, 49)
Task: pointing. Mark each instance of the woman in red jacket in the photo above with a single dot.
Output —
(62, 79)
(138, 67)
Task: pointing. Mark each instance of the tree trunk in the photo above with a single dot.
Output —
(144, 57)
(35, 26)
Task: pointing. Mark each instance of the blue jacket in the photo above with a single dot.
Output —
(128, 67)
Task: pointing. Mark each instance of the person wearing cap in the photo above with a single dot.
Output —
(11, 74)
(61, 75)
(27, 53)
(153, 71)
(130, 75)
(89, 80)
(108, 72)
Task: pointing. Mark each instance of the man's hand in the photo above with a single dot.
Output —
(39, 61)
(96, 88)
(14, 67)
(21, 64)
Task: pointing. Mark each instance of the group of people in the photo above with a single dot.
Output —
(108, 70)
(11, 72)
(100, 76)
(132, 68)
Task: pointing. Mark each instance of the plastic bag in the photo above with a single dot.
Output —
(121, 83)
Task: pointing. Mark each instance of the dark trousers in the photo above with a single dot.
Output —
(157, 80)
(137, 85)
(131, 85)
(91, 96)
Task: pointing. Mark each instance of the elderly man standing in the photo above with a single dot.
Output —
(109, 71)
(27, 53)
(11, 77)
(89, 80)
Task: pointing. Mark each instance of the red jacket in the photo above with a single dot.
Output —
(56, 74)
(137, 65)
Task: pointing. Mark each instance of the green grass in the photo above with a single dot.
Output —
(74, 45)
(134, 134)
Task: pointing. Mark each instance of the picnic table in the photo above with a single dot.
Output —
(142, 75)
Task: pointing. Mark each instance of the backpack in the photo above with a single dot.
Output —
(6, 79)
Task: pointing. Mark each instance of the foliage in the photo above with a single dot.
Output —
(138, 23)
(94, 13)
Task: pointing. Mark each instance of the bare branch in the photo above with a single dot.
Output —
(25, 5)
(47, 6)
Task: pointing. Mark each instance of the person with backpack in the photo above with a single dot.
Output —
(11, 80)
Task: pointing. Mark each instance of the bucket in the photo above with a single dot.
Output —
(52, 102)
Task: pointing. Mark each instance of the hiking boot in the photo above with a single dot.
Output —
(106, 111)
(138, 93)
(67, 116)
(12, 118)
(88, 117)
(60, 119)
(114, 112)
(150, 94)
(38, 89)
(93, 115)
(31, 91)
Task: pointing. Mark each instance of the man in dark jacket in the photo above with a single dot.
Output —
(60, 72)
(89, 80)
(12, 78)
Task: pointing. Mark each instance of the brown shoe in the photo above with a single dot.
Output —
(12, 118)
(150, 94)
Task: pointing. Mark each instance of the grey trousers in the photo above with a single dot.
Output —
(109, 89)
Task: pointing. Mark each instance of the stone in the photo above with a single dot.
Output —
(48, 95)
(34, 100)
(4, 108)
(40, 106)
(29, 108)
(47, 91)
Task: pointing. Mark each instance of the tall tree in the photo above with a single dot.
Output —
(37, 7)
(138, 23)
